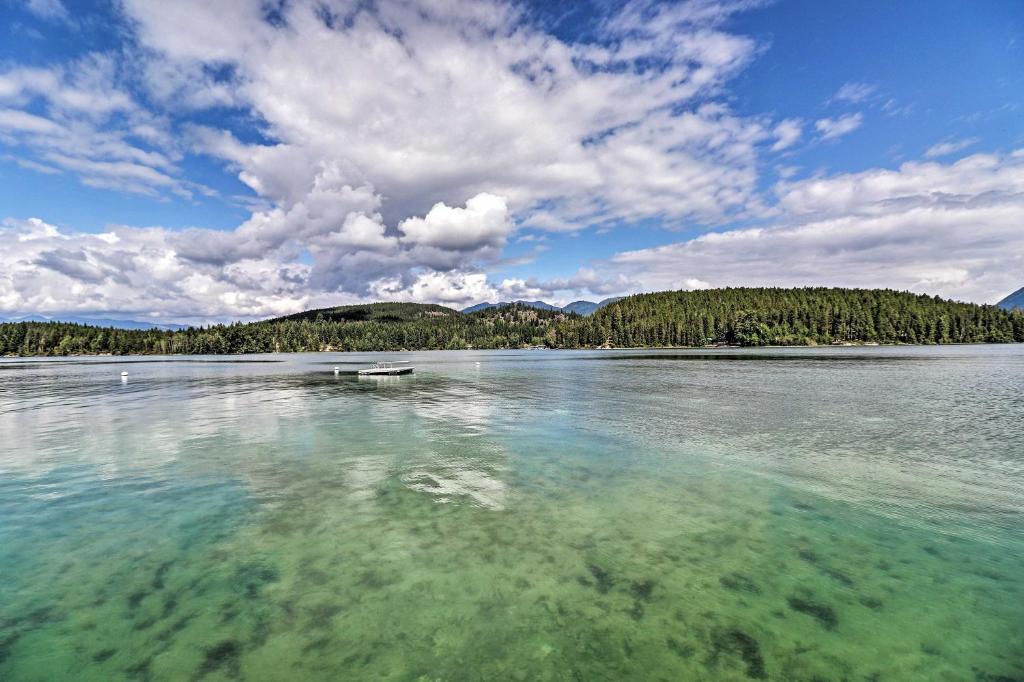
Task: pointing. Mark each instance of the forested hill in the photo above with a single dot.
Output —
(372, 327)
(373, 312)
(741, 316)
(785, 317)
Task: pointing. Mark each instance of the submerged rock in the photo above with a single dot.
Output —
(7, 643)
(823, 613)
(981, 676)
(838, 576)
(642, 589)
(140, 670)
(602, 577)
(737, 582)
(222, 654)
(135, 598)
(681, 649)
(160, 575)
(738, 642)
(251, 577)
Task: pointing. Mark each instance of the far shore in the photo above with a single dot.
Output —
(852, 344)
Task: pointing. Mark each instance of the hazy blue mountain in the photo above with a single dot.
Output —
(121, 324)
(25, 318)
(530, 304)
(579, 307)
(1014, 300)
(96, 322)
(585, 308)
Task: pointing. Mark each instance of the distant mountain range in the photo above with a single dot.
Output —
(97, 322)
(1014, 300)
(583, 308)
(530, 304)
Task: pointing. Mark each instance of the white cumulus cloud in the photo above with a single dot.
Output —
(483, 222)
(953, 230)
(394, 148)
(438, 102)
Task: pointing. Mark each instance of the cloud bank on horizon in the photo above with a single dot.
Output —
(455, 151)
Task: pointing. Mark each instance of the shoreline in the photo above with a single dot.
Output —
(463, 350)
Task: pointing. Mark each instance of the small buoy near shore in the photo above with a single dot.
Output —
(124, 374)
(336, 371)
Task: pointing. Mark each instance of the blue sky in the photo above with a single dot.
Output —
(176, 162)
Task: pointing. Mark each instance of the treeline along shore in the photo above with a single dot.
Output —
(733, 316)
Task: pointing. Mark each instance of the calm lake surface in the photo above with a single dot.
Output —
(799, 514)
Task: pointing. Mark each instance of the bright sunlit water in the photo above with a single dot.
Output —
(806, 514)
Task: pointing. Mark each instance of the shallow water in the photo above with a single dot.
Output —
(806, 514)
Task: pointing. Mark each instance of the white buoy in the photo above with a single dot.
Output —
(124, 374)
(336, 371)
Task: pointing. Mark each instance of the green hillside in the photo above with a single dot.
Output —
(742, 316)
(373, 312)
(772, 316)
(379, 326)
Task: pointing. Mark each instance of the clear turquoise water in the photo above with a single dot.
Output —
(812, 514)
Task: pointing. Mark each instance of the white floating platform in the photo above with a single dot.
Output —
(387, 368)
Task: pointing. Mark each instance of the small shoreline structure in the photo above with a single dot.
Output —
(387, 368)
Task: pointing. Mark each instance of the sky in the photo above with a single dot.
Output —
(198, 162)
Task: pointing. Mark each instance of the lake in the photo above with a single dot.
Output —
(791, 514)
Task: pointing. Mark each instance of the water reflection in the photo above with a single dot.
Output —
(860, 421)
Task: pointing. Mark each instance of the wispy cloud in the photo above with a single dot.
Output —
(893, 108)
(79, 117)
(854, 92)
(29, 164)
(787, 133)
(12, 120)
(52, 10)
(831, 128)
(949, 147)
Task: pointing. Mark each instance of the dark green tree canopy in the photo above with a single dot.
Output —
(739, 316)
